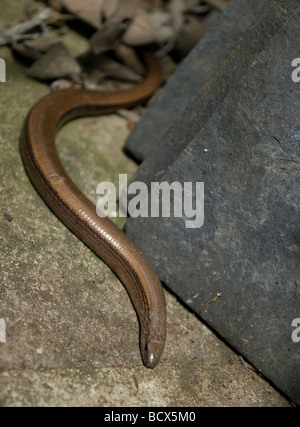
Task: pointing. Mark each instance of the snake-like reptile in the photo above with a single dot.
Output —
(49, 177)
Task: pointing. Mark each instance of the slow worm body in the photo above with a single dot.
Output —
(49, 177)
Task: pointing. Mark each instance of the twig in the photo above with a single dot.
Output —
(22, 31)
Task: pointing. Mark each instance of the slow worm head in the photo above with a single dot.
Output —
(49, 177)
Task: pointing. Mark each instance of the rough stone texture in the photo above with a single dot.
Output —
(72, 334)
(223, 82)
(247, 252)
(192, 74)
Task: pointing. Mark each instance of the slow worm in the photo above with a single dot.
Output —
(49, 177)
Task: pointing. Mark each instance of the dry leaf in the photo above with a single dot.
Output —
(118, 19)
(108, 37)
(114, 69)
(129, 57)
(99, 66)
(192, 31)
(56, 5)
(120, 26)
(118, 10)
(89, 11)
(57, 63)
(177, 8)
(33, 49)
(141, 31)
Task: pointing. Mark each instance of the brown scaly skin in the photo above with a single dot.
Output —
(49, 177)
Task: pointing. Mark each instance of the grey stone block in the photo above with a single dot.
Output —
(192, 75)
(241, 272)
(223, 82)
